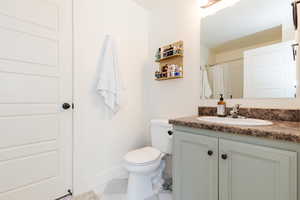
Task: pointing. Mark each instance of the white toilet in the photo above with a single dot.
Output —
(145, 165)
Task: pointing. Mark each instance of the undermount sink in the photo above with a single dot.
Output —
(237, 121)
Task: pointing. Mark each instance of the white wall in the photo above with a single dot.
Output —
(288, 32)
(100, 142)
(171, 21)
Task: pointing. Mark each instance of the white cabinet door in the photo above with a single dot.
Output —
(195, 171)
(35, 79)
(253, 172)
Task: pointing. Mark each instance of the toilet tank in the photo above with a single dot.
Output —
(160, 138)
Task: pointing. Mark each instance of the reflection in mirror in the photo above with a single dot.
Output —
(246, 51)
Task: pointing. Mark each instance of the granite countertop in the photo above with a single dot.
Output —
(280, 130)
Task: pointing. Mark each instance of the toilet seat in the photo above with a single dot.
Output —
(143, 156)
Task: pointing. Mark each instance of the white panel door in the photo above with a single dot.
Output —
(195, 167)
(35, 80)
(249, 172)
(270, 72)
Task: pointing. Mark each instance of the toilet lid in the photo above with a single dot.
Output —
(142, 156)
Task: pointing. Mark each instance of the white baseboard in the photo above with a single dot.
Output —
(103, 178)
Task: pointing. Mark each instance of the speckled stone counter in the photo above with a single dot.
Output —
(258, 113)
(280, 130)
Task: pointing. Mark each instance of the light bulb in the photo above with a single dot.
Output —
(217, 7)
(203, 3)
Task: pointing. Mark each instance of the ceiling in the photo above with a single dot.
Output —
(244, 18)
(148, 4)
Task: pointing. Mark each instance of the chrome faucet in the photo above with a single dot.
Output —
(234, 113)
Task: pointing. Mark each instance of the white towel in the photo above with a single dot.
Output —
(110, 84)
(218, 77)
(206, 89)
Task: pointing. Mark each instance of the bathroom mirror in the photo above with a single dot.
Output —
(246, 51)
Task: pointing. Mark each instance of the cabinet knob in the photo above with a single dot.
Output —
(66, 106)
(170, 133)
(210, 152)
(224, 156)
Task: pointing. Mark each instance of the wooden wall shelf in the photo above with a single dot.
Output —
(171, 61)
(169, 57)
(169, 78)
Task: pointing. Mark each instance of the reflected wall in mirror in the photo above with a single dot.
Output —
(246, 51)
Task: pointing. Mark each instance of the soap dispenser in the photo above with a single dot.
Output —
(221, 108)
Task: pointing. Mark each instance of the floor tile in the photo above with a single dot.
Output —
(118, 186)
(86, 196)
(116, 190)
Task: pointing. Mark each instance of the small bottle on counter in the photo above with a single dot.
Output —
(221, 108)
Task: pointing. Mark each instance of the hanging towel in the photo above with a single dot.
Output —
(227, 78)
(109, 85)
(218, 77)
(206, 89)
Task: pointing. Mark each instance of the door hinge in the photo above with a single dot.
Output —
(73, 106)
(295, 50)
(295, 14)
(65, 196)
(296, 2)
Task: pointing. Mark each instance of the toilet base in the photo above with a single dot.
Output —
(142, 186)
(139, 187)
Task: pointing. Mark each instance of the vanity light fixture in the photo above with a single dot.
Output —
(213, 6)
(207, 3)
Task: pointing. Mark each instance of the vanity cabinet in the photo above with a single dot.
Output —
(254, 172)
(195, 167)
(211, 168)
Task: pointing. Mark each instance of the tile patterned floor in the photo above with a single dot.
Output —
(116, 190)
(87, 196)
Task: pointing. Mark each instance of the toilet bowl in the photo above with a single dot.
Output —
(146, 165)
(142, 173)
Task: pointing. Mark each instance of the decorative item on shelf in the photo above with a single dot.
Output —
(170, 51)
(157, 74)
(158, 54)
(170, 59)
(169, 72)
